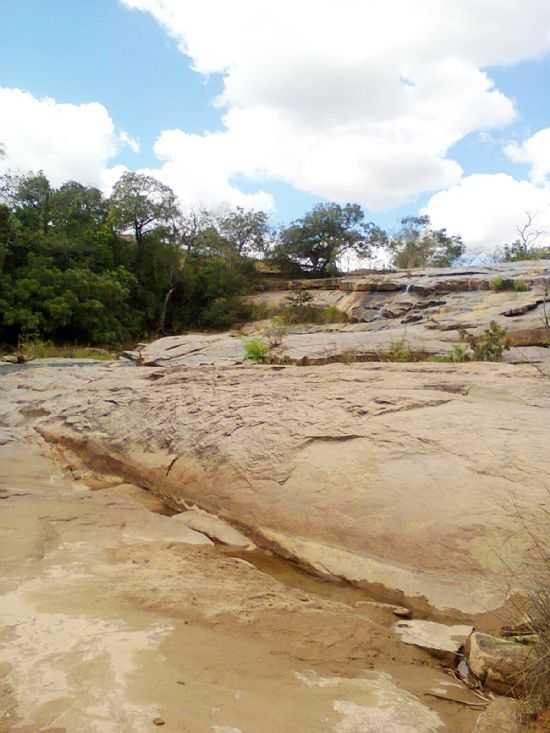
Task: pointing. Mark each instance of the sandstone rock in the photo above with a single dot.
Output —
(386, 708)
(501, 716)
(363, 472)
(442, 641)
(497, 663)
(214, 528)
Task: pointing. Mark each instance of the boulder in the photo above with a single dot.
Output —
(498, 663)
(501, 716)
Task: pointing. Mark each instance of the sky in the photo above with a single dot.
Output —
(437, 106)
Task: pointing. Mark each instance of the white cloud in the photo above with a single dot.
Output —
(487, 209)
(355, 100)
(66, 141)
(536, 152)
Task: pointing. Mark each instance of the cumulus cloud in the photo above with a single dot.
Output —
(66, 141)
(357, 101)
(536, 152)
(487, 209)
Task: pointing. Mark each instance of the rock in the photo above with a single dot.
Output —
(521, 310)
(385, 708)
(6, 437)
(156, 527)
(214, 528)
(497, 663)
(359, 472)
(159, 721)
(501, 716)
(399, 611)
(442, 641)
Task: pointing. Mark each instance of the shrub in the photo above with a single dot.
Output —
(276, 332)
(400, 351)
(491, 345)
(457, 355)
(256, 350)
(497, 283)
(299, 309)
(39, 349)
(520, 286)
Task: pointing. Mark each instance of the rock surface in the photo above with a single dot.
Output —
(498, 663)
(443, 641)
(404, 479)
(109, 626)
(213, 527)
(501, 716)
(426, 309)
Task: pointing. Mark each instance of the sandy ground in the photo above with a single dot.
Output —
(112, 620)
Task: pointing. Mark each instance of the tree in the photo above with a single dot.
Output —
(317, 241)
(525, 246)
(245, 231)
(190, 228)
(416, 244)
(141, 203)
(30, 196)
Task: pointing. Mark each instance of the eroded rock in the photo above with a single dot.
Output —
(498, 663)
(214, 528)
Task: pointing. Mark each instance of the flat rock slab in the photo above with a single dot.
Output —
(441, 640)
(403, 479)
(384, 708)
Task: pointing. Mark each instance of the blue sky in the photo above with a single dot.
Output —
(80, 52)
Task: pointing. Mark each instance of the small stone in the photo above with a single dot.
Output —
(159, 722)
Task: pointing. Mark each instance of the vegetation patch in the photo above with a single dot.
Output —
(256, 350)
(400, 351)
(520, 286)
(39, 349)
(299, 309)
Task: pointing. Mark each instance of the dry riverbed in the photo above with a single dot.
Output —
(115, 618)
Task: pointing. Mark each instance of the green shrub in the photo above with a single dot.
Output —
(400, 351)
(313, 314)
(256, 350)
(39, 349)
(497, 283)
(520, 286)
(491, 345)
(458, 355)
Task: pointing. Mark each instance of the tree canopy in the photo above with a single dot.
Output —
(76, 266)
(315, 242)
(416, 244)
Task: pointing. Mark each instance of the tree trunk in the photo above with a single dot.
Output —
(164, 310)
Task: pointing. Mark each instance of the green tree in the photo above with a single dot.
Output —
(416, 244)
(315, 242)
(246, 232)
(141, 203)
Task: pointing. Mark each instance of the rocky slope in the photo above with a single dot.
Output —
(426, 309)
(416, 483)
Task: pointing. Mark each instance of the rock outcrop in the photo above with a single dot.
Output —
(411, 480)
(427, 310)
